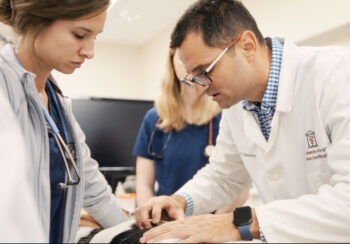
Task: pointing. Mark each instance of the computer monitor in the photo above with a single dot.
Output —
(111, 127)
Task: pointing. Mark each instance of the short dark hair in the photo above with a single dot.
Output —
(219, 22)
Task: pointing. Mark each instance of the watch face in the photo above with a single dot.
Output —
(242, 216)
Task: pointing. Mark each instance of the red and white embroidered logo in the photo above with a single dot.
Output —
(311, 139)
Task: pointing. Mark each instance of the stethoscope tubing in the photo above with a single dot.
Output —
(160, 154)
(59, 140)
(61, 144)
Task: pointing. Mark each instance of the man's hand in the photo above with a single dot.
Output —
(203, 228)
(173, 206)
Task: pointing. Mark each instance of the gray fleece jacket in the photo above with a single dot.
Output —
(93, 192)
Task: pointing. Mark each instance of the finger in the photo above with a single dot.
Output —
(170, 235)
(161, 208)
(164, 234)
(137, 218)
(156, 231)
(196, 238)
(176, 213)
(142, 217)
(165, 238)
(145, 220)
(156, 213)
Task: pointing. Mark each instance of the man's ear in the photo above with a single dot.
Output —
(248, 44)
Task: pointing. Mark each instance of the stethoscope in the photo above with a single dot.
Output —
(65, 151)
(207, 151)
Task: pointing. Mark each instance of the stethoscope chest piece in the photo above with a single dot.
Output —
(208, 150)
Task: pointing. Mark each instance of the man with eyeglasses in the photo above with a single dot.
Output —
(286, 128)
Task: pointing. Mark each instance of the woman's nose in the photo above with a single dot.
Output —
(88, 50)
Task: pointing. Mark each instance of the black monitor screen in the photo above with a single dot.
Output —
(111, 127)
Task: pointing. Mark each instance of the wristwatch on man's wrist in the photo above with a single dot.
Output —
(242, 218)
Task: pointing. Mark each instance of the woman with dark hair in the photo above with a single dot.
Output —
(55, 35)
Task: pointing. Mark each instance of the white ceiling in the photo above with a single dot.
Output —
(154, 17)
(296, 19)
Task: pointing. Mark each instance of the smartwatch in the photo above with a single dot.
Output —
(242, 218)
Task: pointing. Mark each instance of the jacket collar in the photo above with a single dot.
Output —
(9, 56)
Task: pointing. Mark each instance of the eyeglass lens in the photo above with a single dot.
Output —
(202, 79)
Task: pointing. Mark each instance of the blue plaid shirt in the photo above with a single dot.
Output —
(267, 108)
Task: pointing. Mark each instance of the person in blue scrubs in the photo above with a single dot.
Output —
(176, 136)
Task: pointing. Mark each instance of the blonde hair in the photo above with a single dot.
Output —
(169, 104)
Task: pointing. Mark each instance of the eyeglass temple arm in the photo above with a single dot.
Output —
(61, 143)
(186, 82)
(221, 54)
(216, 60)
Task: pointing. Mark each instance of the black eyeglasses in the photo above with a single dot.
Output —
(202, 78)
(158, 155)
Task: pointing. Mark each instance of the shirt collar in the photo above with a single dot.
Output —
(9, 56)
(270, 95)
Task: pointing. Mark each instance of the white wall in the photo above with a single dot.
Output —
(129, 72)
(120, 71)
(134, 72)
(113, 72)
(339, 35)
(154, 55)
(298, 19)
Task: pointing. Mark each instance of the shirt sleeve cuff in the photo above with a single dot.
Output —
(189, 202)
(262, 236)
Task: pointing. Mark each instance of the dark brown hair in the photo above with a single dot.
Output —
(219, 22)
(22, 14)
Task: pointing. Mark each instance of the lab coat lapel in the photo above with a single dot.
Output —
(284, 99)
(252, 129)
(290, 59)
(285, 88)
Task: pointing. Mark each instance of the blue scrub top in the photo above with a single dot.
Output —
(184, 155)
(57, 175)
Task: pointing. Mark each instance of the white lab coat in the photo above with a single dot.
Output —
(19, 215)
(303, 172)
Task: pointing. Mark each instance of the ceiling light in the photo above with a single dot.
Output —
(126, 14)
(112, 4)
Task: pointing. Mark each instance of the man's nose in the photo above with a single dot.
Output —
(199, 89)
